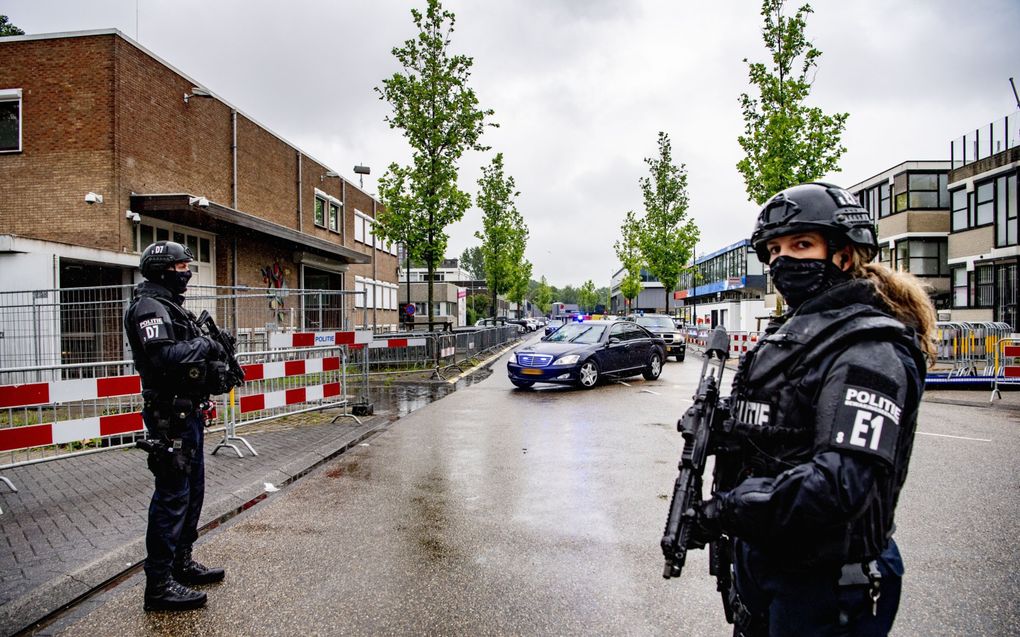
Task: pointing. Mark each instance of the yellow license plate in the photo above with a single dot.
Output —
(532, 372)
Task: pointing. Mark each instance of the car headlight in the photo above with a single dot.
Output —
(569, 359)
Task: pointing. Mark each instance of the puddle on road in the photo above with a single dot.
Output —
(400, 399)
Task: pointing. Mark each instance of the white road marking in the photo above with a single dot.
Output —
(925, 433)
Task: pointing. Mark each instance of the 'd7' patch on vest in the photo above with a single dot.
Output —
(867, 421)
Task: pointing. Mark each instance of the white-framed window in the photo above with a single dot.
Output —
(359, 227)
(359, 286)
(369, 238)
(10, 120)
(320, 212)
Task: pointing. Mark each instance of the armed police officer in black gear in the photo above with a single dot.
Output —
(177, 365)
(820, 427)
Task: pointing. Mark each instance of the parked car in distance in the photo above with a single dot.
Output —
(552, 325)
(500, 321)
(663, 325)
(583, 353)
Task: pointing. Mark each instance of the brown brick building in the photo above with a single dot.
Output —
(94, 113)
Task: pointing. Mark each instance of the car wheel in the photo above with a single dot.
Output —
(588, 374)
(523, 384)
(654, 368)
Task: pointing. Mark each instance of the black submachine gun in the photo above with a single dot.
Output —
(229, 373)
(696, 427)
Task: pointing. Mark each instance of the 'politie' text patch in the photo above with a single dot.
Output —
(867, 421)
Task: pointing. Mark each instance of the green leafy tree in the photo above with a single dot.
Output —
(477, 306)
(786, 142)
(519, 290)
(566, 294)
(587, 297)
(628, 251)
(440, 118)
(504, 234)
(543, 296)
(666, 235)
(6, 28)
(472, 260)
(631, 287)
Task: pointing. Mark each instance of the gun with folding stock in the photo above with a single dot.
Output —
(231, 374)
(696, 427)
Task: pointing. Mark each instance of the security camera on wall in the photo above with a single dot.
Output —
(201, 202)
(91, 198)
(133, 217)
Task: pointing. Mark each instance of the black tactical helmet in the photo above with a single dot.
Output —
(815, 207)
(161, 255)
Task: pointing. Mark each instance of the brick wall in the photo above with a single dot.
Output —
(67, 143)
(102, 115)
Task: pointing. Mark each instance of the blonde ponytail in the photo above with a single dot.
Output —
(904, 294)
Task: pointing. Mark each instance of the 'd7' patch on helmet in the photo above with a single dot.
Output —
(867, 421)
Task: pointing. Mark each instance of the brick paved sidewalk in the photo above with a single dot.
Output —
(77, 522)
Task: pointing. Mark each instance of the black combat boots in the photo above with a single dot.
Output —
(164, 593)
(188, 571)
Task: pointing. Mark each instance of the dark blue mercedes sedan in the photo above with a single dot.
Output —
(582, 353)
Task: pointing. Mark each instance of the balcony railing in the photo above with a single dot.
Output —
(991, 139)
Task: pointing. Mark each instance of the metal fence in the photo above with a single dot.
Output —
(969, 348)
(67, 327)
(68, 386)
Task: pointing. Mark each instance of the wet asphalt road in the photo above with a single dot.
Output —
(505, 512)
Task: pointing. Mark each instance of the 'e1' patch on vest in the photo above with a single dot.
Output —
(867, 421)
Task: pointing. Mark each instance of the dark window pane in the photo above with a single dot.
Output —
(145, 233)
(10, 127)
(204, 253)
(162, 234)
(924, 182)
(924, 199)
(320, 214)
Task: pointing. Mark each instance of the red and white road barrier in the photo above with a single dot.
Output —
(283, 340)
(741, 342)
(392, 343)
(282, 398)
(65, 391)
(66, 431)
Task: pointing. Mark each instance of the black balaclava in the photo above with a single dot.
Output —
(176, 282)
(801, 279)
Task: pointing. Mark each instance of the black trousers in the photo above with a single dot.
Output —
(176, 501)
(813, 602)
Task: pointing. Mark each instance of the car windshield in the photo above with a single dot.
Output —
(578, 333)
(656, 321)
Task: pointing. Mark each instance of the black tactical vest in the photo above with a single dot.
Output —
(774, 405)
(183, 327)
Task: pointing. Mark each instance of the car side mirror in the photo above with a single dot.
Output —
(613, 340)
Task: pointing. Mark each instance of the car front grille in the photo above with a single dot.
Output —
(533, 360)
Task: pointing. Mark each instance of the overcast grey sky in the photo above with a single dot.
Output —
(580, 89)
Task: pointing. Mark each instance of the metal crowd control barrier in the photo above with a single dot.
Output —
(1007, 365)
(456, 351)
(286, 382)
(52, 419)
(969, 348)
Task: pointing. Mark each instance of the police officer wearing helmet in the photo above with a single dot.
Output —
(171, 355)
(820, 426)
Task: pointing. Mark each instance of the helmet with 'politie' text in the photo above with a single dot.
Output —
(815, 207)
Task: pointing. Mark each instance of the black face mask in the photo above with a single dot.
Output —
(800, 279)
(176, 282)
